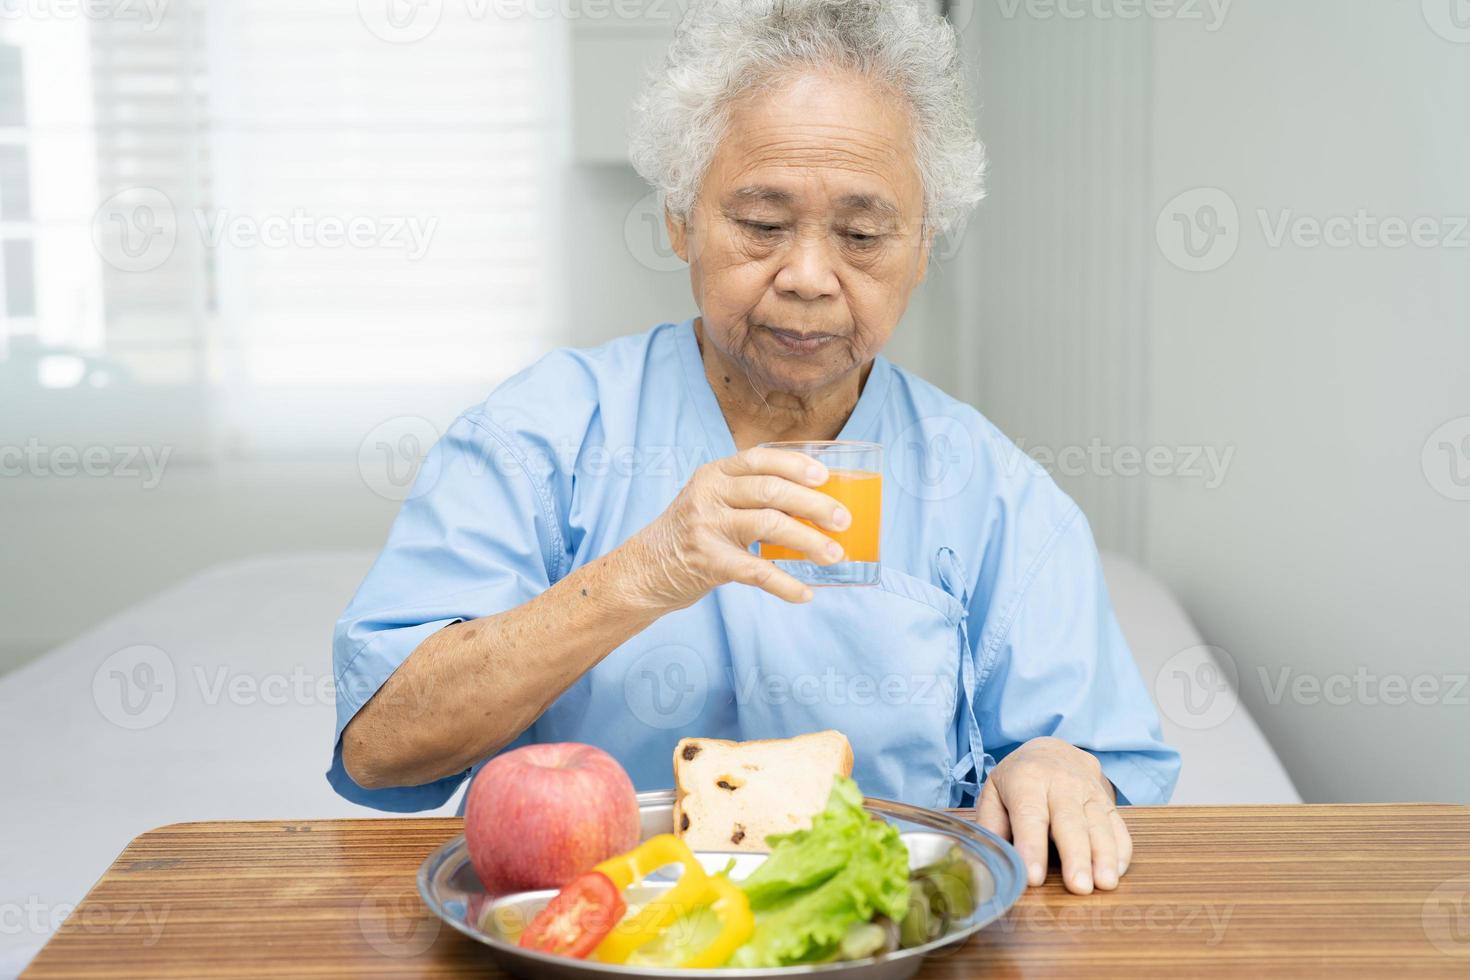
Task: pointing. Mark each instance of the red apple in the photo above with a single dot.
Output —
(540, 815)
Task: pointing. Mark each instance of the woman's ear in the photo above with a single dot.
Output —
(678, 234)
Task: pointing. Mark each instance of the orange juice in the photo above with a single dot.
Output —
(861, 492)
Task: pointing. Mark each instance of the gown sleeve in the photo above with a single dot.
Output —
(476, 536)
(1054, 662)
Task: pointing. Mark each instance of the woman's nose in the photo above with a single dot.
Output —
(807, 269)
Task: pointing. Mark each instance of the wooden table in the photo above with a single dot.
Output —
(1213, 891)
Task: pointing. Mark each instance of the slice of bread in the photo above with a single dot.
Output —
(730, 795)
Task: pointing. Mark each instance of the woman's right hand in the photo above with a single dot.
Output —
(469, 689)
(702, 540)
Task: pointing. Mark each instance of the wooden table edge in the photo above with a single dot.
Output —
(963, 813)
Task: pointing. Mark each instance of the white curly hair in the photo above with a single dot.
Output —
(724, 49)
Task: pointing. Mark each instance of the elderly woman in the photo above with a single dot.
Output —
(576, 561)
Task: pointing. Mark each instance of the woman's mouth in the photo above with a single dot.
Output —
(796, 342)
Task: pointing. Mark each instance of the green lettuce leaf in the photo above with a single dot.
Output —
(816, 883)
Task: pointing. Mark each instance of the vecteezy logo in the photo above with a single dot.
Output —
(934, 458)
(647, 238)
(1446, 459)
(946, 246)
(391, 456)
(1196, 688)
(400, 21)
(1450, 19)
(1446, 917)
(135, 230)
(1199, 230)
(666, 687)
(135, 687)
(395, 922)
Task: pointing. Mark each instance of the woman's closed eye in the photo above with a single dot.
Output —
(861, 239)
(761, 227)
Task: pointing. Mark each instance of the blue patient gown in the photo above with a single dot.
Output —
(991, 624)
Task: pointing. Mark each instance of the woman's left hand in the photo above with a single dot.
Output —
(1048, 787)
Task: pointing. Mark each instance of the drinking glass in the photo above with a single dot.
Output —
(854, 479)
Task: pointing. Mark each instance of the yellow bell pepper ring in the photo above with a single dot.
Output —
(657, 852)
(732, 908)
(695, 889)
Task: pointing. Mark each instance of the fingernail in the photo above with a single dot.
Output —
(806, 595)
(1035, 874)
(834, 551)
(1083, 881)
(841, 518)
(816, 473)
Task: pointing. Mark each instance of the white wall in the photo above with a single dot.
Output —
(1327, 548)
(1322, 547)
(1060, 261)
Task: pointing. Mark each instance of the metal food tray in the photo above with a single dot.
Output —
(449, 886)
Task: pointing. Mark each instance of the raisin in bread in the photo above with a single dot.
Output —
(730, 795)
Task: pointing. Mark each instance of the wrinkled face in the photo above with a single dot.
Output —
(804, 243)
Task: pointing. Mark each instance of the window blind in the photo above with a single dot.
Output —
(302, 218)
